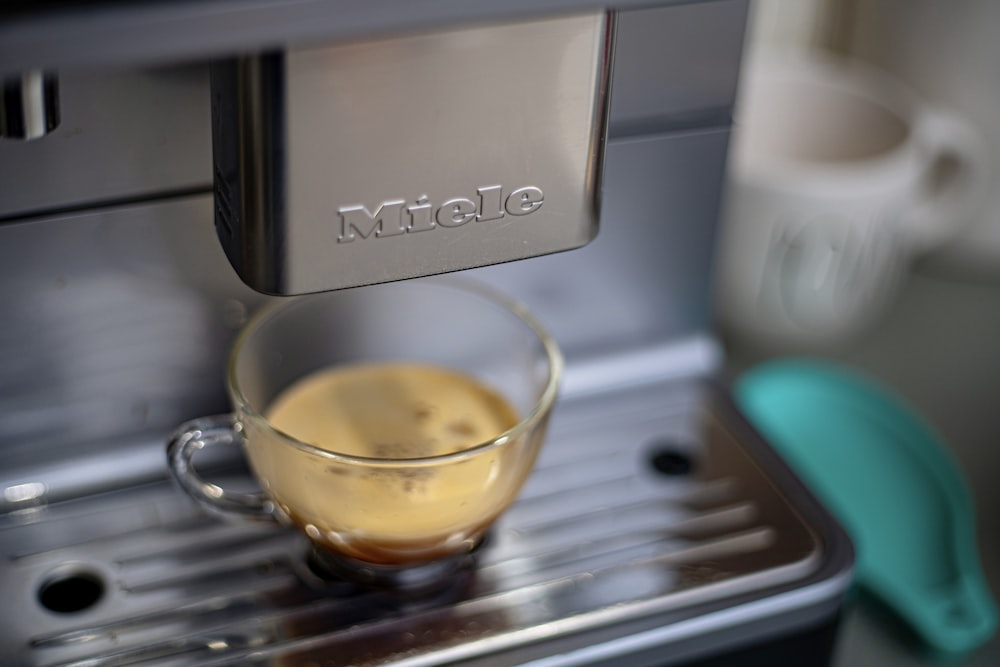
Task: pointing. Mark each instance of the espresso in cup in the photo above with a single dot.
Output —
(391, 424)
(392, 411)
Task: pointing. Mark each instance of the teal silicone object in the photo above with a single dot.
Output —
(893, 486)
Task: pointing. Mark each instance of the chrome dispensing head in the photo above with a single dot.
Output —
(374, 161)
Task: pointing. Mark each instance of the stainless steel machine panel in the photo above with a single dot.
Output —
(105, 149)
(109, 150)
(676, 66)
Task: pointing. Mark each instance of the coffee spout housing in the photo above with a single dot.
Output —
(373, 161)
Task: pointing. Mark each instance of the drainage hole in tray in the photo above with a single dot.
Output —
(71, 591)
(668, 459)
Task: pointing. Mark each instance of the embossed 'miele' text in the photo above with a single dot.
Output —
(395, 217)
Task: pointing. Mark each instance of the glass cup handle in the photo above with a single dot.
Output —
(196, 435)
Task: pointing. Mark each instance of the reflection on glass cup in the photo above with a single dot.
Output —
(392, 424)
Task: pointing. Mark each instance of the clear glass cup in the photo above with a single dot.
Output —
(372, 517)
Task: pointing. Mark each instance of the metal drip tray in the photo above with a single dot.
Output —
(655, 528)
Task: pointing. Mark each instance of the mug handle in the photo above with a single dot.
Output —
(954, 183)
(195, 435)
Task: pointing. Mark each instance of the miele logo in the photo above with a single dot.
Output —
(394, 217)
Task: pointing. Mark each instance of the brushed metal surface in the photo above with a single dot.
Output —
(647, 277)
(597, 539)
(381, 160)
(676, 66)
(51, 33)
(136, 133)
(123, 134)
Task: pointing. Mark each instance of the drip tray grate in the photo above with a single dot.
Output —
(647, 508)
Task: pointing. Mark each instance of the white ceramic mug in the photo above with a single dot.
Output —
(839, 176)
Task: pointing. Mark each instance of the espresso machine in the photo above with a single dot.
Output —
(167, 169)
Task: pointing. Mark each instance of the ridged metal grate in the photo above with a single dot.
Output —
(597, 539)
